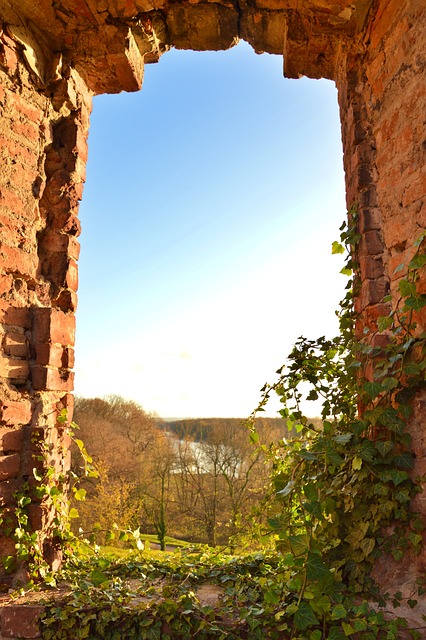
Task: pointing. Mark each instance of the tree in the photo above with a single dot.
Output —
(114, 424)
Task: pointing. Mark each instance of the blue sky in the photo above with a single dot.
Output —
(212, 199)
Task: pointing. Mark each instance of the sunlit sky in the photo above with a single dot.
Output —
(211, 202)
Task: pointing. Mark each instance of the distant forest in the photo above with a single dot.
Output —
(200, 480)
(200, 429)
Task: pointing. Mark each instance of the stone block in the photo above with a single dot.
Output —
(21, 621)
(16, 370)
(11, 440)
(51, 379)
(53, 325)
(15, 344)
(9, 466)
(15, 412)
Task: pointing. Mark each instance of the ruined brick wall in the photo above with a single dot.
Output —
(382, 103)
(52, 60)
(43, 153)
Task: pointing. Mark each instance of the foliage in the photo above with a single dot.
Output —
(202, 491)
(161, 598)
(339, 487)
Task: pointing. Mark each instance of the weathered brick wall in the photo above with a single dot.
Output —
(43, 153)
(382, 102)
(374, 51)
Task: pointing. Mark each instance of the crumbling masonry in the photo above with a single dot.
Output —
(56, 54)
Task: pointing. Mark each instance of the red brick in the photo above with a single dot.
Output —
(49, 354)
(71, 281)
(56, 242)
(25, 108)
(27, 130)
(52, 325)
(14, 369)
(415, 191)
(6, 284)
(15, 344)
(372, 292)
(66, 300)
(51, 379)
(12, 202)
(19, 261)
(56, 186)
(38, 516)
(23, 178)
(68, 359)
(15, 413)
(17, 150)
(9, 466)
(398, 230)
(21, 621)
(371, 243)
(371, 267)
(7, 546)
(11, 440)
(369, 220)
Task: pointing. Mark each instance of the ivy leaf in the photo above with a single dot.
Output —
(373, 415)
(336, 633)
(310, 491)
(348, 629)
(314, 508)
(315, 568)
(372, 389)
(338, 612)
(390, 383)
(407, 288)
(98, 578)
(418, 241)
(404, 460)
(80, 494)
(384, 447)
(334, 458)
(73, 513)
(367, 545)
(384, 322)
(336, 247)
(305, 617)
(412, 369)
(389, 418)
(415, 303)
(418, 261)
(36, 475)
(398, 476)
(394, 475)
(368, 451)
(254, 437)
(346, 271)
(360, 624)
(321, 604)
(343, 438)
(356, 463)
(308, 455)
(299, 544)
